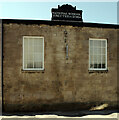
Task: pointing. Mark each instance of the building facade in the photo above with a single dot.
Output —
(58, 65)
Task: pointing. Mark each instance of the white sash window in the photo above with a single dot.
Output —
(33, 53)
(97, 54)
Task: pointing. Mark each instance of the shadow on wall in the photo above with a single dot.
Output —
(67, 114)
(97, 110)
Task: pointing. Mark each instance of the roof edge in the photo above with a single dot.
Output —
(50, 22)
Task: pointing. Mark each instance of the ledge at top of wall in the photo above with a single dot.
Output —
(58, 22)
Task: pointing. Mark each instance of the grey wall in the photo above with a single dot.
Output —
(64, 84)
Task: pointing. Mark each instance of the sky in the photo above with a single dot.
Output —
(94, 12)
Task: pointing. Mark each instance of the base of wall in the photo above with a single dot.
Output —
(60, 107)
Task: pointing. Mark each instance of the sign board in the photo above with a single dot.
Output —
(66, 12)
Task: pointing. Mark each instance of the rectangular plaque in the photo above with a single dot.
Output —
(66, 12)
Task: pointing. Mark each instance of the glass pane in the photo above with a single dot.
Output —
(91, 58)
(103, 51)
(91, 61)
(38, 57)
(99, 59)
(91, 51)
(103, 43)
(25, 63)
(95, 51)
(98, 43)
(30, 57)
(95, 65)
(25, 45)
(38, 64)
(33, 52)
(38, 41)
(98, 51)
(91, 66)
(30, 41)
(38, 49)
(91, 43)
(98, 65)
(95, 43)
(29, 64)
(95, 59)
(103, 66)
(103, 59)
(25, 56)
(25, 48)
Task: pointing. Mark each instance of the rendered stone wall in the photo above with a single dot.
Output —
(64, 84)
(0, 67)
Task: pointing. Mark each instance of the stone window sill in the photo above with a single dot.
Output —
(32, 71)
(97, 71)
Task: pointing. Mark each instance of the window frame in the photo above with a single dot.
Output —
(33, 69)
(99, 69)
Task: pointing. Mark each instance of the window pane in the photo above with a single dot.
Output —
(91, 66)
(97, 54)
(91, 58)
(91, 43)
(33, 52)
(103, 43)
(98, 65)
(99, 59)
(98, 43)
(95, 59)
(38, 48)
(25, 64)
(103, 51)
(38, 41)
(38, 57)
(98, 51)
(103, 61)
(95, 65)
(91, 61)
(30, 57)
(91, 51)
(38, 64)
(30, 41)
(103, 58)
(95, 43)
(103, 66)
(29, 64)
(95, 51)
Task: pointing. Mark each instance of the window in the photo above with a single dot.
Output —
(97, 54)
(33, 53)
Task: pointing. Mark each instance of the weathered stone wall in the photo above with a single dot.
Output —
(0, 67)
(64, 84)
(118, 66)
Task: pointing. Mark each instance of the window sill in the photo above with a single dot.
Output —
(32, 71)
(98, 71)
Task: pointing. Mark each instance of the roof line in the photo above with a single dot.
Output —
(50, 22)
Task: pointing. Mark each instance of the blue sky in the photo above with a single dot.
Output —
(95, 12)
